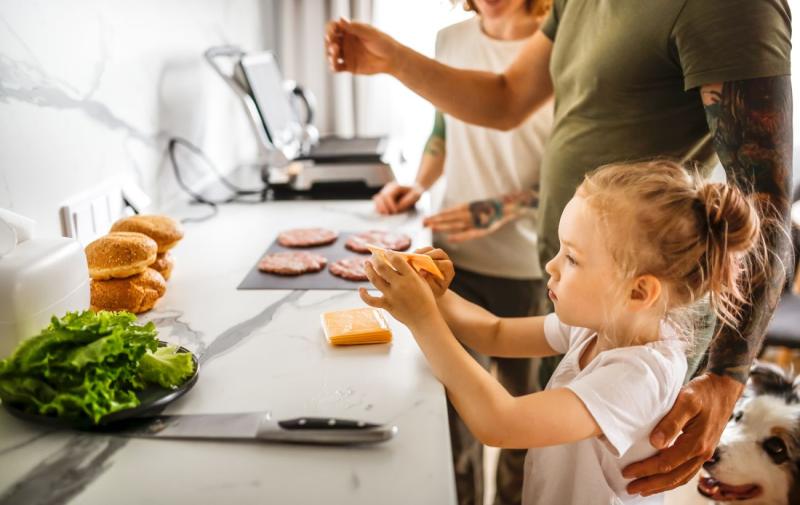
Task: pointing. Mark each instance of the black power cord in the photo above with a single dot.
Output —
(238, 192)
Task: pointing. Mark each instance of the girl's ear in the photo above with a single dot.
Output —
(645, 292)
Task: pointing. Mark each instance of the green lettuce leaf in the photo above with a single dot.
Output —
(88, 365)
(166, 366)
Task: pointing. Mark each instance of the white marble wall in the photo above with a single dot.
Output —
(93, 89)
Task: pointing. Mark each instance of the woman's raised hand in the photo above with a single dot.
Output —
(359, 48)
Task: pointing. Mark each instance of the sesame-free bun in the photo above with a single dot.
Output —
(120, 255)
(163, 229)
(136, 294)
(164, 264)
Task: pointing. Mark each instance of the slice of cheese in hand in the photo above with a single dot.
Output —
(417, 261)
(365, 325)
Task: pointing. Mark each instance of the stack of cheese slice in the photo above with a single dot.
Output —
(417, 261)
(356, 326)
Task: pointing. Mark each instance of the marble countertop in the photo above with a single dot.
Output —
(259, 350)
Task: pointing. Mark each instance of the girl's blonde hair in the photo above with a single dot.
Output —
(699, 238)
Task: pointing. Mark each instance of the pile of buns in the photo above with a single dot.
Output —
(129, 267)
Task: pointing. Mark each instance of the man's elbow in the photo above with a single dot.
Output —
(509, 122)
(512, 113)
(503, 119)
(510, 117)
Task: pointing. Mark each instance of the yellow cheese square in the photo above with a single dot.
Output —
(417, 261)
(365, 325)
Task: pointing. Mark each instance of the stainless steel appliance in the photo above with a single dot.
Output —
(298, 162)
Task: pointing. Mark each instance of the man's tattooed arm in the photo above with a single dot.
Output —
(751, 125)
(510, 206)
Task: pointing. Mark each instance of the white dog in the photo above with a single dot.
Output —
(758, 458)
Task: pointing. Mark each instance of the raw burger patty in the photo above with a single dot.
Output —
(292, 263)
(383, 239)
(351, 268)
(307, 237)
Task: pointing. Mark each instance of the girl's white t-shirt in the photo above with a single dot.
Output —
(483, 163)
(627, 390)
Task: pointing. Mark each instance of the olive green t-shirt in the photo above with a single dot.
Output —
(626, 75)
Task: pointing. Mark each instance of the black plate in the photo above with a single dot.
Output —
(151, 398)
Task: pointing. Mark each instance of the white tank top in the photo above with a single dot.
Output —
(484, 163)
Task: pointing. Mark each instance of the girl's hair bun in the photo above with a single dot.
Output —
(730, 216)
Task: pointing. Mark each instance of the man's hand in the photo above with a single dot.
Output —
(359, 48)
(701, 412)
(394, 198)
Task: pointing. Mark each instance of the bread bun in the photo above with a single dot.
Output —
(163, 229)
(164, 264)
(120, 255)
(136, 294)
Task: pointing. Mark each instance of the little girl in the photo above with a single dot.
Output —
(641, 245)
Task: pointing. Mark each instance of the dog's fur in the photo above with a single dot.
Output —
(758, 458)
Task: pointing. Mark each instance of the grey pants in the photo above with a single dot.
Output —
(505, 298)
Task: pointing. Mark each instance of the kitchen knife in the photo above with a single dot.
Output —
(259, 427)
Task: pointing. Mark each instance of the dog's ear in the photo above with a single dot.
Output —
(766, 378)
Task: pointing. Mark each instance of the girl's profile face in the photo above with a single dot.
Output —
(584, 285)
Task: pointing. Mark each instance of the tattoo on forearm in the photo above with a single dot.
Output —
(486, 213)
(434, 146)
(751, 124)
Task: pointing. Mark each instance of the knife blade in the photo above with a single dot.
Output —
(259, 426)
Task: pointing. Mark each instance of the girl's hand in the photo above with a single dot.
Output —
(442, 260)
(405, 294)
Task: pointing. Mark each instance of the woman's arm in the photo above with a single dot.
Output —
(479, 329)
(394, 198)
(505, 99)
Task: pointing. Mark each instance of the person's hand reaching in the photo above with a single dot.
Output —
(394, 198)
(358, 48)
(469, 221)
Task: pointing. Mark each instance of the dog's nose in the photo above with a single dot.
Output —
(713, 460)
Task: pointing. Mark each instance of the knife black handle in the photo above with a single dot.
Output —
(324, 423)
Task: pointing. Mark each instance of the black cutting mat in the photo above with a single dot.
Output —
(256, 279)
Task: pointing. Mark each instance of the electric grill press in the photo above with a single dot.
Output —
(298, 163)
